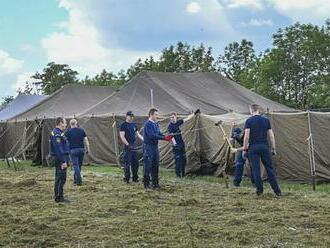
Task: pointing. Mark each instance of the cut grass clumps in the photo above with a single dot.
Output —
(193, 212)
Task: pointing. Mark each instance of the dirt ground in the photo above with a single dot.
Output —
(193, 212)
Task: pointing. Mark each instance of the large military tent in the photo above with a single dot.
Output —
(20, 104)
(297, 133)
(181, 92)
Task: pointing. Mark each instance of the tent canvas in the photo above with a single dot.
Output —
(181, 92)
(21, 103)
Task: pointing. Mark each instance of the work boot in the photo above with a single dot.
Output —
(156, 187)
(64, 200)
(126, 180)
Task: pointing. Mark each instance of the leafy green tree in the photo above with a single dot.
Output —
(54, 76)
(5, 101)
(237, 61)
(296, 70)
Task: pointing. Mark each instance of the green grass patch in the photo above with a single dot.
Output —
(193, 212)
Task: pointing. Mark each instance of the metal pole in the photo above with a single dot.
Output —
(311, 152)
(152, 97)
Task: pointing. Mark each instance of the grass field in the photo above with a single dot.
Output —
(194, 212)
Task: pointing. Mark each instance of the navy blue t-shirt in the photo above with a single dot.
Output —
(130, 130)
(259, 127)
(76, 137)
(174, 128)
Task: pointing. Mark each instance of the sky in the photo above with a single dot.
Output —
(91, 35)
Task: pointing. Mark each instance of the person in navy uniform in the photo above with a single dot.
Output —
(238, 136)
(59, 150)
(128, 134)
(79, 145)
(257, 129)
(179, 150)
(151, 136)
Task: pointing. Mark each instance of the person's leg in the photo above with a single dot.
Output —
(254, 159)
(267, 162)
(81, 158)
(147, 167)
(57, 181)
(177, 161)
(183, 162)
(127, 164)
(155, 169)
(240, 161)
(135, 166)
(62, 183)
(74, 154)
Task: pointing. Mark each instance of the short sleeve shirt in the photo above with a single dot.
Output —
(259, 126)
(76, 137)
(130, 130)
(174, 128)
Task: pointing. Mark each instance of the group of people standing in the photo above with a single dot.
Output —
(73, 144)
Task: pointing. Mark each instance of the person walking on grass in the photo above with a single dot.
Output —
(256, 131)
(128, 134)
(151, 136)
(79, 145)
(59, 150)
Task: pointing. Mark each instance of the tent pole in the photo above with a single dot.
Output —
(152, 97)
(311, 152)
(115, 136)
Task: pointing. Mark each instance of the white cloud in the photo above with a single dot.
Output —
(193, 7)
(257, 23)
(304, 10)
(80, 45)
(255, 4)
(8, 64)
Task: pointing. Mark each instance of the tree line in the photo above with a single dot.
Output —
(295, 71)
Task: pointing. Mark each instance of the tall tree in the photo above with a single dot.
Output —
(296, 70)
(237, 60)
(54, 76)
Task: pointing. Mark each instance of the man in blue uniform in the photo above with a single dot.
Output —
(257, 129)
(128, 133)
(79, 145)
(59, 150)
(151, 137)
(238, 136)
(179, 150)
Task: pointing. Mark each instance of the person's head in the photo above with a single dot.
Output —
(129, 116)
(254, 109)
(173, 117)
(73, 123)
(236, 133)
(60, 123)
(153, 114)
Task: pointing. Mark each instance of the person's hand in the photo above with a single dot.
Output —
(244, 154)
(274, 151)
(168, 137)
(233, 150)
(64, 166)
(198, 111)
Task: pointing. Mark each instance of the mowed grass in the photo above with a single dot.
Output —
(193, 212)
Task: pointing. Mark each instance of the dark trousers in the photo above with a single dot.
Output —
(240, 162)
(60, 179)
(180, 160)
(131, 164)
(151, 165)
(261, 152)
(77, 158)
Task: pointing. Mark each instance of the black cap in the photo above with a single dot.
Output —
(130, 113)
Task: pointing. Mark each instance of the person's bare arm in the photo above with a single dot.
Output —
(122, 137)
(246, 138)
(272, 138)
(139, 136)
(86, 141)
(188, 117)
